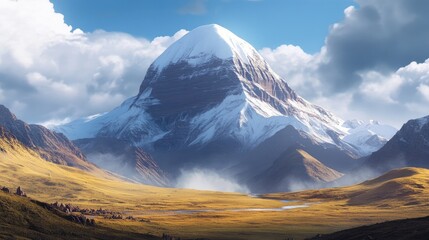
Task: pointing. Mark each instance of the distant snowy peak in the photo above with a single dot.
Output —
(377, 128)
(369, 136)
(202, 44)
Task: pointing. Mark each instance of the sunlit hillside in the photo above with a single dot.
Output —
(216, 215)
(397, 188)
(50, 182)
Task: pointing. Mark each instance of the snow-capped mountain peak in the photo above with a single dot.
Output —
(211, 85)
(204, 43)
(368, 136)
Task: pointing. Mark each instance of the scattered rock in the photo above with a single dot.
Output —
(20, 192)
(5, 189)
(130, 218)
(114, 216)
(144, 220)
(82, 219)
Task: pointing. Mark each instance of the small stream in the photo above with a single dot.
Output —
(174, 212)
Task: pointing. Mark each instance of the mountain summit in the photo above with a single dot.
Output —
(209, 98)
(210, 85)
(205, 42)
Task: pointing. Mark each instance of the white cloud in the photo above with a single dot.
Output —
(50, 72)
(380, 95)
(295, 66)
(380, 87)
(423, 89)
(372, 65)
(57, 72)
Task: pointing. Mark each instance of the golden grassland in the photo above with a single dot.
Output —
(22, 218)
(402, 194)
(50, 182)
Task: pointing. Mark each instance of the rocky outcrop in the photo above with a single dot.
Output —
(51, 146)
(20, 192)
(5, 189)
(409, 147)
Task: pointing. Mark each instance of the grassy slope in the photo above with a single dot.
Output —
(400, 187)
(21, 218)
(49, 182)
(334, 211)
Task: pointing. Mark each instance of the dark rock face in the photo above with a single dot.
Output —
(184, 90)
(409, 147)
(122, 158)
(52, 146)
(181, 91)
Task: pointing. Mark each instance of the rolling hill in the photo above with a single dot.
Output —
(49, 182)
(405, 186)
(295, 170)
(204, 214)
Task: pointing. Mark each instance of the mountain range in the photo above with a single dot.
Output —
(211, 101)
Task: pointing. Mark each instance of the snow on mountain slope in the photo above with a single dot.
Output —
(211, 85)
(250, 120)
(204, 43)
(369, 136)
(125, 117)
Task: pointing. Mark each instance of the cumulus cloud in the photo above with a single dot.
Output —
(296, 66)
(50, 72)
(203, 179)
(403, 91)
(377, 35)
(373, 64)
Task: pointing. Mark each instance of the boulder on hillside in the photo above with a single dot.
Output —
(5, 189)
(20, 192)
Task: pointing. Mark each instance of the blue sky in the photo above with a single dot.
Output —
(263, 23)
(374, 62)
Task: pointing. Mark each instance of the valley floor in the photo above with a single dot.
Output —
(156, 211)
(299, 223)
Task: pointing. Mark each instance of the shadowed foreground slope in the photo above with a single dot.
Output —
(22, 218)
(416, 229)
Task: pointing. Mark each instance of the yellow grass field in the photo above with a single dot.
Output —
(400, 195)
